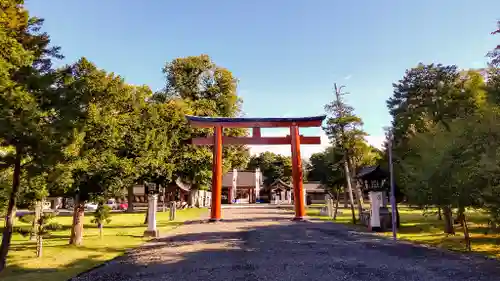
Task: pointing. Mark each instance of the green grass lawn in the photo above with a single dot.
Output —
(61, 261)
(427, 229)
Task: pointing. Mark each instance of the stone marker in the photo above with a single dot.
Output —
(173, 209)
(375, 203)
(152, 205)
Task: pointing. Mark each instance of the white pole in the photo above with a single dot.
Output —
(393, 193)
(152, 231)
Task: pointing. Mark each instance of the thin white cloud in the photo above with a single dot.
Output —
(348, 77)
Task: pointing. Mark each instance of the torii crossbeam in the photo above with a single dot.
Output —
(218, 140)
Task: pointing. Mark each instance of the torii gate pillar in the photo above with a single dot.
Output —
(297, 175)
(215, 209)
(294, 139)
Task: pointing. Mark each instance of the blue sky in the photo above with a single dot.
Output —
(286, 53)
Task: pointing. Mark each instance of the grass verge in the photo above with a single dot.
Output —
(421, 228)
(61, 261)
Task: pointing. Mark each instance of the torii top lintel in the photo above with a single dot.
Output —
(245, 122)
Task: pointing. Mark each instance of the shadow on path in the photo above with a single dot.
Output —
(241, 249)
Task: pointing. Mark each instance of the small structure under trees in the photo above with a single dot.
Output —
(375, 182)
(280, 192)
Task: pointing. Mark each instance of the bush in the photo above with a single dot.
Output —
(24, 231)
(53, 226)
(102, 215)
(28, 218)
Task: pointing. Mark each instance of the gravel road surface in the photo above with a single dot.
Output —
(263, 244)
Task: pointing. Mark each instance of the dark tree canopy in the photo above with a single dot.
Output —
(273, 166)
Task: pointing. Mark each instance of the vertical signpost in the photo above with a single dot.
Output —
(152, 193)
(257, 185)
(393, 192)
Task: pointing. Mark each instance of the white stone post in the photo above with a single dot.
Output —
(375, 202)
(289, 201)
(257, 184)
(234, 186)
(152, 206)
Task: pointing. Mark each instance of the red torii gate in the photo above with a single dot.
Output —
(218, 123)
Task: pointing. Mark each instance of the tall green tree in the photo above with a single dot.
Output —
(424, 96)
(344, 129)
(35, 123)
(161, 124)
(273, 166)
(493, 83)
(196, 78)
(202, 88)
(494, 55)
(327, 168)
(456, 168)
(428, 96)
(96, 164)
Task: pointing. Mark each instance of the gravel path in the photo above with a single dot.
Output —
(263, 244)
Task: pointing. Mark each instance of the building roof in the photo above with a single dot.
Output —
(279, 183)
(244, 178)
(182, 185)
(308, 186)
(372, 173)
(313, 187)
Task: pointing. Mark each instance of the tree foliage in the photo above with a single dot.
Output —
(445, 129)
(494, 55)
(327, 168)
(344, 129)
(273, 166)
(102, 215)
(36, 119)
(200, 87)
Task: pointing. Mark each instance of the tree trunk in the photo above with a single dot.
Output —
(448, 220)
(359, 200)
(357, 189)
(346, 198)
(173, 209)
(398, 221)
(130, 198)
(100, 227)
(460, 214)
(34, 225)
(493, 226)
(336, 205)
(11, 212)
(349, 188)
(468, 245)
(77, 228)
(440, 216)
(146, 218)
(163, 204)
(329, 207)
(39, 246)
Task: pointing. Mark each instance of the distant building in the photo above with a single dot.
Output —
(241, 186)
(315, 192)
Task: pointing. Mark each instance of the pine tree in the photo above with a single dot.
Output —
(344, 131)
